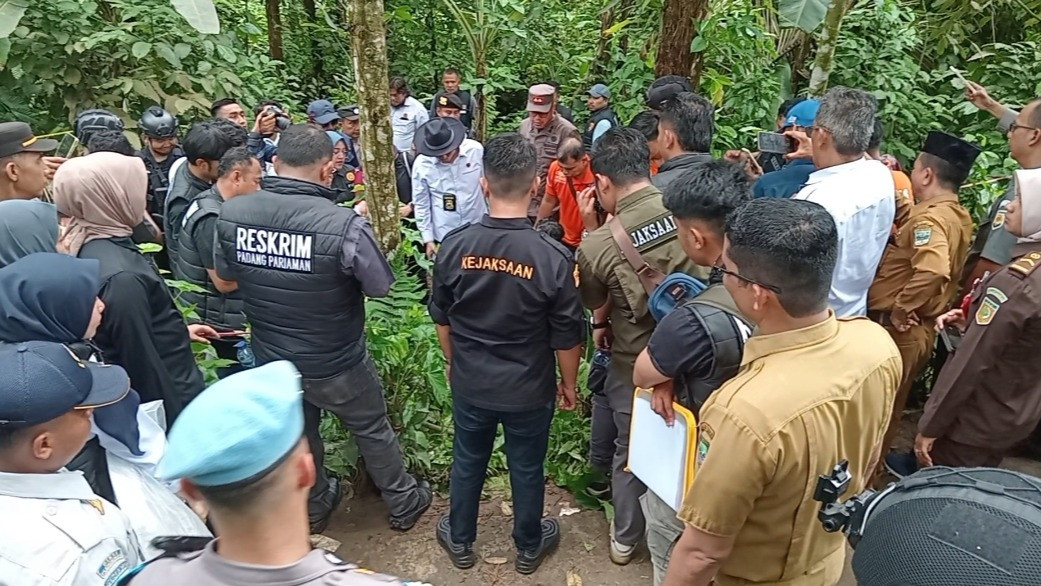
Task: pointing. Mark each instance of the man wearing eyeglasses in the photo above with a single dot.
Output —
(992, 248)
(813, 390)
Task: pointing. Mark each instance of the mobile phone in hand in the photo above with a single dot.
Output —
(775, 142)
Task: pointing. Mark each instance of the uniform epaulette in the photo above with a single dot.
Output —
(558, 246)
(1026, 264)
(457, 230)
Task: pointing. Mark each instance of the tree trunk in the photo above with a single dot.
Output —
(318, 64)
(369, 50)
(481, 64)
(679, 18)
(602, 66)
(826, 44)
(274, 30)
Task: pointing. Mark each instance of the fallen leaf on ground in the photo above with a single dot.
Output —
(323, 542)
(496, 561)
(507, 509)
(573, 579)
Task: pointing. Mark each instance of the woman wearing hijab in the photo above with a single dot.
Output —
(345, 176)
(103, 196)
(26, 226)
(987, 397)
(50, 297)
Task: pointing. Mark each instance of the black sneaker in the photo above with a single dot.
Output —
(599, 489)
(328, 503)
(462, 556)
(529, 561)
(901, 464)
(409, 520)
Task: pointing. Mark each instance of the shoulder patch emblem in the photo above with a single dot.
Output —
(705, 435)
(990, 305)
(923, 234)
(999, 219)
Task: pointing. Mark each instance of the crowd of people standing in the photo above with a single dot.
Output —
(788, 300)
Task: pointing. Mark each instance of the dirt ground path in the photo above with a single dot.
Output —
(582, 559)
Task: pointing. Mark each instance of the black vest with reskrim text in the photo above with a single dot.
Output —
(284, 249)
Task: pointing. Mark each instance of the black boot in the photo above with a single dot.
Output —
(326, 504)
(409, 520)
(462, 555)
(529, 561)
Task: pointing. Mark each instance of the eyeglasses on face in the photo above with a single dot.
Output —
(721, 270)
(1014, 126)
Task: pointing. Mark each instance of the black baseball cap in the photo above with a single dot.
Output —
(352, 112)
(17, 137)
(44, 380)
(449, 101)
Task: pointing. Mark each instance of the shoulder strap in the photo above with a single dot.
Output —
(650, 277)
(1026, 264)
(717, 296)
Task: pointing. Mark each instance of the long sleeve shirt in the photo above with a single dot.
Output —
(859, 196)
(446, 196)
(405, 119)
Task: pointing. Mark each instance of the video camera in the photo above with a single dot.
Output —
(282, 121)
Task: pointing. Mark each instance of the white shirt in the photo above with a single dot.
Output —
(437, 215)
(860, 197)
(56, 531)
(405, 119)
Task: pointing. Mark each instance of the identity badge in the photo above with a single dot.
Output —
(448, 202)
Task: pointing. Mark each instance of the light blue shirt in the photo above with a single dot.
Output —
(432, 180)
(600, 128)
(57, 532)
(860, 196)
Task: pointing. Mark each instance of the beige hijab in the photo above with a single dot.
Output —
(1028, 184)
(103, 195)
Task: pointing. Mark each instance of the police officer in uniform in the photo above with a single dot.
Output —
(610, 286)
(240, 450)
(987, 397)
(304, 266)
(56, 531)
(220, 305)
(547, 130)
(697, 346)
(921, 268)
(501, 363)
(812, 390)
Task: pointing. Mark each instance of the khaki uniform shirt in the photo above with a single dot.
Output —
(604, 273)
(988, 394)
(802, 401)
(547, 143)
(920, 272)
(207, 568)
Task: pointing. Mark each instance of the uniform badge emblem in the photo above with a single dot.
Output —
(97, 504)
(350, 176)
(922, 235)
(448, 202)
(988, 308)
(705, 435)
(999, 220)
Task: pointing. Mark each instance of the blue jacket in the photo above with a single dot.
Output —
(786, 181)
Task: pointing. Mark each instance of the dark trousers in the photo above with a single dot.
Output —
(946, 452)
(603, 435)
(356, 398)
(527, 439)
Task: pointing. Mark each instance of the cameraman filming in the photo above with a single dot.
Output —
(271, 120)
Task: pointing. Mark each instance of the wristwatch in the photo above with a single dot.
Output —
(599, 325)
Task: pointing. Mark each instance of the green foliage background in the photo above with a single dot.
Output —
(68, 55)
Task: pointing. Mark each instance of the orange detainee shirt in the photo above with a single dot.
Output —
(570, 217)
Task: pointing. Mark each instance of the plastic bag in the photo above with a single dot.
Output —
(152, 509)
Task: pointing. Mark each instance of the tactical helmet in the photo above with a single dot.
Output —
(90, 121)
(158, 123)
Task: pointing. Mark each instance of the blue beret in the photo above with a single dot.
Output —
(803, 114)
(237, 428)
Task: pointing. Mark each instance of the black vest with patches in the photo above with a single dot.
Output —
(224, 311)
(284, 249)
(715, 310)
(601, 114)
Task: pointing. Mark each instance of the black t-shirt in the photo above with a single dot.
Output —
(680, 346)
(509, 294)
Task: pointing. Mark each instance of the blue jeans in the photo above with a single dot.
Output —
(527, 439)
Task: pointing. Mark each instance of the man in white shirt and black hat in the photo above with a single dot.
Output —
(446, 180)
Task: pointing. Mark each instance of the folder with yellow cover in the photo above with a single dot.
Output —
(662, 457)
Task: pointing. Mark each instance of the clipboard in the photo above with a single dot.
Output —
(662, 457)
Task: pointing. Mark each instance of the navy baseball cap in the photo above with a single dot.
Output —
(600, 91)
(322, 112)
(45, 380)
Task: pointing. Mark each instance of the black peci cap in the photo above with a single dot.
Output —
(959, 153)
